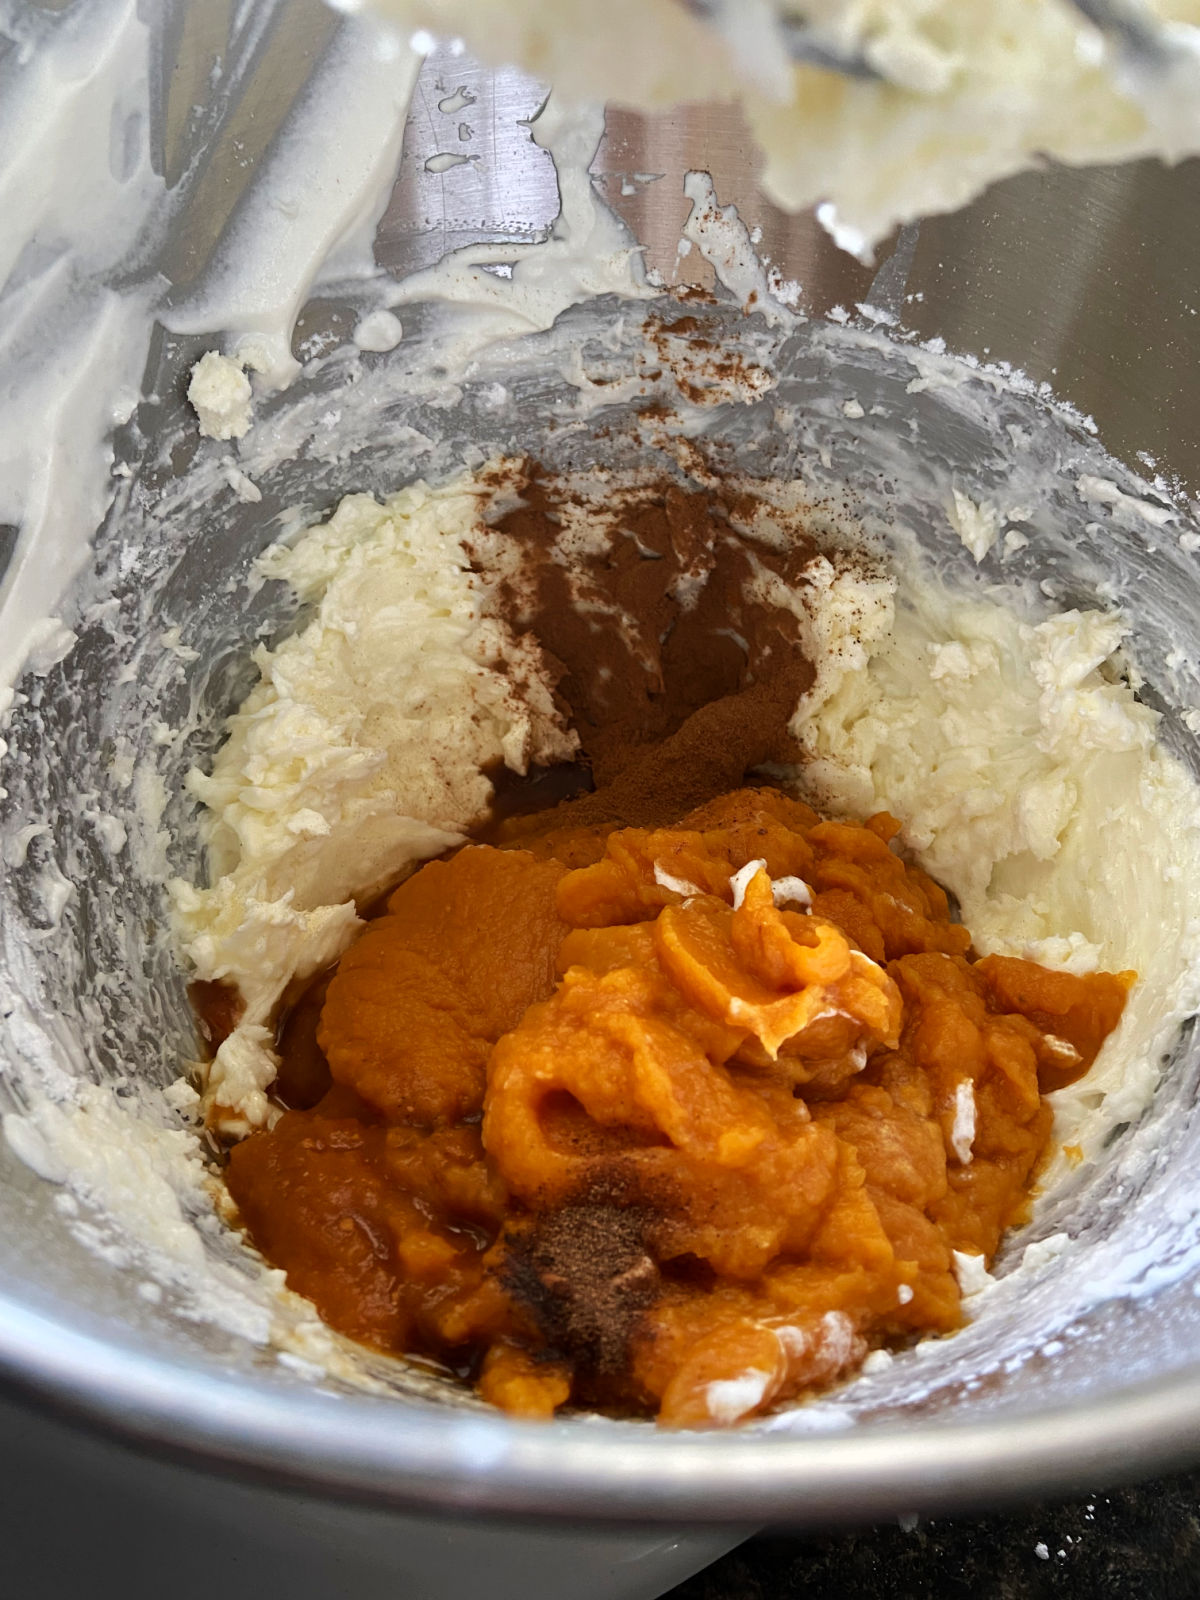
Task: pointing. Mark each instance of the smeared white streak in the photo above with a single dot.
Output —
(47, 643)
(28, 1145)
(739, 882)
(16, 846)
(312, 207)
(864, 966)
(972, 1273)
(1102, 491)
(793, 1341)
(170, 640)
(962, 1134)
(72, 350)
(791, 891)
(730, 1399)
(837, 1337)
(724, 241)
(243, 486)
(676, 885)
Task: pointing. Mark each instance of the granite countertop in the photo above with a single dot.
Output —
(1139, 1543)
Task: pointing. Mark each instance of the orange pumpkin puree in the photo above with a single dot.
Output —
(601, 1126)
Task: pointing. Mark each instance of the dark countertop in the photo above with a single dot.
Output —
(1139, 1543)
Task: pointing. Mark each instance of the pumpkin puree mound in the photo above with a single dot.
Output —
(678, 1121)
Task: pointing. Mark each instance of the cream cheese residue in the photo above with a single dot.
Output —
(951, 95)
(666, 880)
(730, 1399)
(962, 1131)
(221, 396)
(971, 1272)
(740, 881)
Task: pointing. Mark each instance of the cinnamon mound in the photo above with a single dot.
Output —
(678, 664)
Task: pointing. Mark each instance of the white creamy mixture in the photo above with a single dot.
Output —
(956, 93)
(359, 752)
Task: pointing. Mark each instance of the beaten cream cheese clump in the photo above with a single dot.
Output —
(360, 750)
(221, 397)
(967, 92)
(1031, 783)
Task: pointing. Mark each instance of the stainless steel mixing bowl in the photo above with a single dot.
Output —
(1086, 281)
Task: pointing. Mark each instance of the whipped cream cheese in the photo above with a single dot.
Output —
(1030, 782)
(360, 751)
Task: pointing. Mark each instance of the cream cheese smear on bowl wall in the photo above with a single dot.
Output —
(302, 649)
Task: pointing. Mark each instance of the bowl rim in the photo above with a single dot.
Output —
(416, 1455)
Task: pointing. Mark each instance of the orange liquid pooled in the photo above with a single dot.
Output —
(596, 1133)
